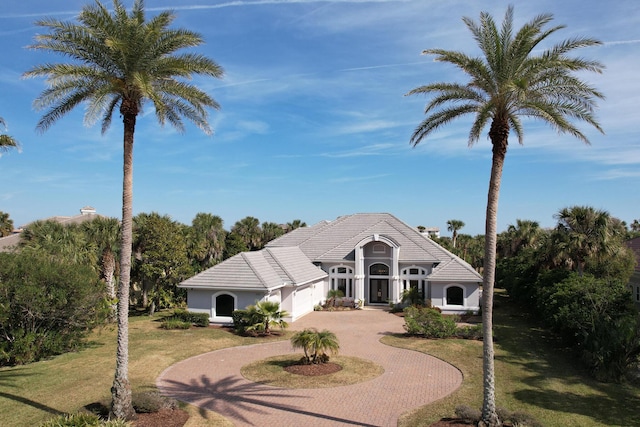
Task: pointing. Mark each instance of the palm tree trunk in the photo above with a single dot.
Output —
(499, 137)
(121, 406)
(109, 268)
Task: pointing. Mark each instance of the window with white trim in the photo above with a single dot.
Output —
(414, 278)
(455, 295)
(341, 278)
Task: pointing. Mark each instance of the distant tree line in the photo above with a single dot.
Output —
(59, 282)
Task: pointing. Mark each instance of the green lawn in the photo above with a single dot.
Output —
(66, 383)
(534, 374)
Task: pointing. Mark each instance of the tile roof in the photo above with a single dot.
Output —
(336, 240)
(266, 269)
(288, 259)
(455, 270)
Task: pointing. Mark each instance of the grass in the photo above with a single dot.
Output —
(32, 393)
(271, 371)
(534, 374)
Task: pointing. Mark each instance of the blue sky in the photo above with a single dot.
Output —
(314, 122)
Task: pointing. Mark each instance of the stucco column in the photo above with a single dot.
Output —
(395, 275)
(359, 273)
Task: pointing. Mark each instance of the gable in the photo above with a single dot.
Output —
(267, 269)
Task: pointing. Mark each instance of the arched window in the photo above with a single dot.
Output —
(379, 270)
(224, 305)
(455, 295)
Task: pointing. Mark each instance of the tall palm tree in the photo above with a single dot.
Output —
(59, 241)
(515, 77)
(525, 234)
(6, 141)
(120, 61)
(206, 240)
(104, 233)
(454, 225)
(270, 231)
(248, 229)
(583, 232)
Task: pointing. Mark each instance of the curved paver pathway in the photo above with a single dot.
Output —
(410, 379)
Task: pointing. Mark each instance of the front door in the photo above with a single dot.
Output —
(379, 290)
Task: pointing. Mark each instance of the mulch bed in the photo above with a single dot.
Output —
(313, 370)
(164, 418)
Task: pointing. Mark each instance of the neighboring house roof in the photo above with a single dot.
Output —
(634, 245)
(268, 269)
(87, 213)
(7, 243)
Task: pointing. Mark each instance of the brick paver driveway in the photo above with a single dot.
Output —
(410, 379)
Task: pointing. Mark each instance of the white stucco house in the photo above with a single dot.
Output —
(371, 257)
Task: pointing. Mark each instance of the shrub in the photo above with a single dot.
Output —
(244, 319)
(468, 414)
(152, 401)
(197, 319)
(82, 419)
(428, 322)
(598, 318)
(47, 306)
(174, 323)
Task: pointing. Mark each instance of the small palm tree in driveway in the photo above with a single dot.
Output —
(316, 345)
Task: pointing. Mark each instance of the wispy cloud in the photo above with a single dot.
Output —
(615, 174)
(346, 179)
(619, 42)
(369, 150)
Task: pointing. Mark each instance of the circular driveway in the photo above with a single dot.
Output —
(411, 379)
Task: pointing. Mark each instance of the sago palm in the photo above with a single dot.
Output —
(515, 77)
(119, 61)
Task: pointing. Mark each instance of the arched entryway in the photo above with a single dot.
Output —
(224, 305)
(378, 283)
